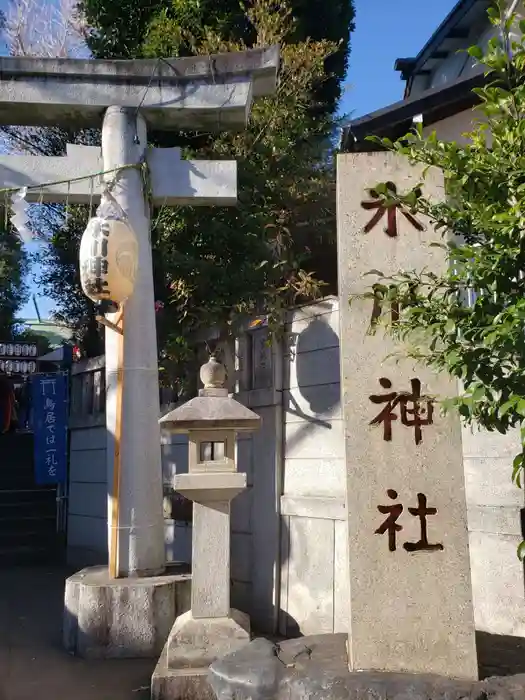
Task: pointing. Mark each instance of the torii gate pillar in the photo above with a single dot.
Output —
(141, 523)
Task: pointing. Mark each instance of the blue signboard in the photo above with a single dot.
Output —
(50, 413)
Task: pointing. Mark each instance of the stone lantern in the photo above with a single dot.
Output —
(211, 628)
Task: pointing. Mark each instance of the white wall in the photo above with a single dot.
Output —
(87, 505)
(453, 128)
(314, 574)
(87, 512)
(495, 507)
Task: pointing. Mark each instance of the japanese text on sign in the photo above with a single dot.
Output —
(392, 527)
(49, 393)
(391, 212)
(415, 410)
(50, 427)
(98, 262)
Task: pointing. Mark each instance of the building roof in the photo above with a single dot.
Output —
(456, 27)
(463, 23)
(55, 333)
(396, 120)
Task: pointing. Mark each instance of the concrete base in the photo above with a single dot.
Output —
(108, 618)
(193, 644)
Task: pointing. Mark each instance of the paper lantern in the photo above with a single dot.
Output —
(108, 260)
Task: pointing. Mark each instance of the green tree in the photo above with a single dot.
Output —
(212, 266)
(470, 320)
(159, 28)
(40, 28)
(59, 276)
(13, 290)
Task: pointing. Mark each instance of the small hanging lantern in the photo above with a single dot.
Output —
(108, 260)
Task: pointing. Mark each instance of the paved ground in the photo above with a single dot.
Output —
(32, 663)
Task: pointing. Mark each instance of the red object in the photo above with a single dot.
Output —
(7, 401)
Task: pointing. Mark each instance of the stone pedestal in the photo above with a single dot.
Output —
(108, 618)
(211, 629)
(193, 645)
(316, 668)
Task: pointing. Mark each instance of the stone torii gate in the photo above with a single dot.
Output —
(210, 93)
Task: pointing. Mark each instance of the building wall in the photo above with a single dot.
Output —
(457, 64)
(453, 128)
(313, 549)
(283, 573)
(87, 512)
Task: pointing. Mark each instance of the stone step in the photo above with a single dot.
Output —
(12, 526)
(32, 554)
(27, 509)
(17, 481)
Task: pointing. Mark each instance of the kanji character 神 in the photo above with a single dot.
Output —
(413, 413)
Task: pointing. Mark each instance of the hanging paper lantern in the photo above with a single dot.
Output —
(108, 260)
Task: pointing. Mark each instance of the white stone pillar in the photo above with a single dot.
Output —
(210, 580)
(141, 524)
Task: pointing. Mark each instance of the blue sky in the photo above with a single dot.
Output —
(385, 30)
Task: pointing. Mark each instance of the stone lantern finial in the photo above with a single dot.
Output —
(213, 377)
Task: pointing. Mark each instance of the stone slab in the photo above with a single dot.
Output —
(174, 181)
(422, 594)
(316, 668)
(210, 92)
(210, 487)
(122, 618)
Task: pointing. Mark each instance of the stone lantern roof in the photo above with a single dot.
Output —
(213, 408)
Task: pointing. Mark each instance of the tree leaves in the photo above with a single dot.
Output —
(470, 320)
(13, 290)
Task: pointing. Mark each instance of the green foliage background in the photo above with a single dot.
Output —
(214, 265)
(470, 321)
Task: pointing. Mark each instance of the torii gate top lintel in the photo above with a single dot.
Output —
(203, 92)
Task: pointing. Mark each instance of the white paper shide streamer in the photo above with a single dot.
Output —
(20, 218)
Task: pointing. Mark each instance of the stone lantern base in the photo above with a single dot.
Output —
(194, 644)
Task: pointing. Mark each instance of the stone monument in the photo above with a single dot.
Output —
(410, 606)
(211, 629)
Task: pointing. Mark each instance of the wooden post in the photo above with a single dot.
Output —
(115, 493)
